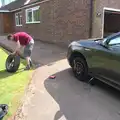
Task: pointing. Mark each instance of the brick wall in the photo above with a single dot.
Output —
(61, 21)
(72, 19)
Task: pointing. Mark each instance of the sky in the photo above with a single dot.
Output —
(0, 3)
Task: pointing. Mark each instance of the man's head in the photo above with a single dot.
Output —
(10, 37)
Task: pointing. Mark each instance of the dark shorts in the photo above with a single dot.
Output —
(28, 50)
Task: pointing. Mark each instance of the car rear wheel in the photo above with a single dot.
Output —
(12, 63)
(80, 68)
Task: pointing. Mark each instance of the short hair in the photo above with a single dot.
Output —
(9, 36)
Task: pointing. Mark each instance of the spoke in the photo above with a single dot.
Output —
(78, 67)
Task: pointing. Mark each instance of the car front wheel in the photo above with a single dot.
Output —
(80, 69)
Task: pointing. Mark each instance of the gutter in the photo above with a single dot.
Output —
(29, 5)
(91, 18)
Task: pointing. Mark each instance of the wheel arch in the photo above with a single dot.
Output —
(77, 54)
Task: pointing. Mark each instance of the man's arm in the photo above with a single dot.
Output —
(17, 47)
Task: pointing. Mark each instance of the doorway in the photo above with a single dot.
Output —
(111, 21)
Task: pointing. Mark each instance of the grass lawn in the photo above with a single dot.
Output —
(12, 86)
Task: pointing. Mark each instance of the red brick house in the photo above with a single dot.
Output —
(61, 21)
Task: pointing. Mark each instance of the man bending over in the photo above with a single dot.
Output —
(23, 39)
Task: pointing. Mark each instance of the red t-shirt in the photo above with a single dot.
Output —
(23, 38)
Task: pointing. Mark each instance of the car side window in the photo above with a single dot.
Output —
(115, 41)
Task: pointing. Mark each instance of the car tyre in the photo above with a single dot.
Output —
(12, 63)
(80, 68)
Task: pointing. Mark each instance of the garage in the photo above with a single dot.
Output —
(111, 21)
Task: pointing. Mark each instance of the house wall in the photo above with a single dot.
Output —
(61, 21)
(98, 20)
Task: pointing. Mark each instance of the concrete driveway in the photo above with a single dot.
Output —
(65, 98)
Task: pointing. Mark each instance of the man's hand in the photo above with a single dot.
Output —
(17, 48)
(15, 53)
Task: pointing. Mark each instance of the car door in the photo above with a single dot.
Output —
(108, 61)
(113, 69)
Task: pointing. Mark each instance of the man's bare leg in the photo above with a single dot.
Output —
(28, 60)
(28, 63)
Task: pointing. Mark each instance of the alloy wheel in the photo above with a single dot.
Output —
(78, 68)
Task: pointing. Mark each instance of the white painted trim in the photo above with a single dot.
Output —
(18, 25)
(25, 15)
(29, 5)
(111, 9)
(103, 16)
(27, 1)
(32, 9)
(33, 22)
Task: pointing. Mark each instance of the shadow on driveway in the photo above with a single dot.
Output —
(80, 101)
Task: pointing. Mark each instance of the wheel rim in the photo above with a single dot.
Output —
(10, 64)
(78, 68)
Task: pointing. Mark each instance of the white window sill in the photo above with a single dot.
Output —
(18, 25)
(32, 22)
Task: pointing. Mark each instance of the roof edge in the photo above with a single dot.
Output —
(29, 5)
(4, 11)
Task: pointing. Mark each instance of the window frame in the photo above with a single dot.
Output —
(32, 9)
(18, 18)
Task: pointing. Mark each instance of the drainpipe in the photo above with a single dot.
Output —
(91, 17)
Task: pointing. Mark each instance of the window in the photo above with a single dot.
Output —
(115, 41)
(18, 19)
(33, 15)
